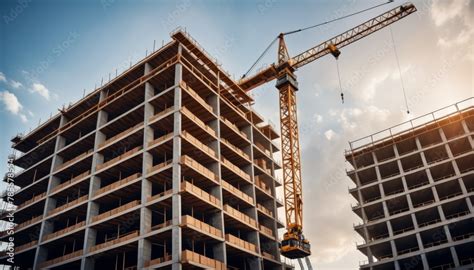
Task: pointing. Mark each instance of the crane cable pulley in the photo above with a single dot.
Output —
(307, 28)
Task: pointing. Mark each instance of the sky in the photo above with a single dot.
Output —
(52, 52)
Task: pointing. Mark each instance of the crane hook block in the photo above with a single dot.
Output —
(334, 50)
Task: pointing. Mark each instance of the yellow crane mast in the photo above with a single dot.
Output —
(294, 245)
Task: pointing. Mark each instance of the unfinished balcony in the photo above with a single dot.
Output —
(455, 209)
(132, 136)
(161, 216)
(397, 205)
(462, 230)
(464, 252)
(433, 237)
(442, 171)
(35, 155)
(80, 130)
(263, 165)
(402, 224)
(376, 232)
(35, 200)
(389, 169)
(197, 126)
(384, 153)
(161, 252)
(199, 198)
(241, 192)
(192, 169)
(393, 187)
(65, 227)
(118, 187)
(453, 130)
(121, 159)
(263, 187)
(448, 190)
(118, 110)
(440, 259)
(112, 237)
(123, 257)
(34, 174)
(238, 219)
(416, 179)
(195, 260)
(382, 251)
(411, 162)
(468, 181)
(373, 212)
(427, 217)
(201, 107)
(406, 244)
(365, 159)
(406, 146)
(76, 203)
(231, 132)
(460, 146)
(111, 208)
(239, 245)
(430, 138)
(367, 176)
(232, 172)
(206, 230)
(26, 143)
(76, 180)
(63, 252)
(465, 163)
(422, 198)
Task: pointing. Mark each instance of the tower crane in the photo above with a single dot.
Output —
(294, 245)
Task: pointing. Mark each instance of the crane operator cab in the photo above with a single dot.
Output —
(294, 245)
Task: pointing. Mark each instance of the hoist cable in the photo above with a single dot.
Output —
(340, 83)
(260, 57)
(399, 70)
(309, 27)
(337, 19)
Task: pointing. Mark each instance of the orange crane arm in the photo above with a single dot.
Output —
(373, 25)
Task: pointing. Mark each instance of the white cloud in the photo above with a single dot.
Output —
(2, 77)
(40, 89)
(454, 19)
(318, 118)
(15, 84)
(23, 118)
(11, 102)
(329, 134)
(443, 11)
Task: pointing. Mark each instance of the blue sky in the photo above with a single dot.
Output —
(50, 51)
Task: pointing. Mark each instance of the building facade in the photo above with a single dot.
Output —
(415, 192)
(166, 166)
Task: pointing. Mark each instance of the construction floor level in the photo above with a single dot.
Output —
(166, 166)
(415, 192)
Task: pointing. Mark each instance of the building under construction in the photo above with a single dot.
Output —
(166, 166)
(415, 192)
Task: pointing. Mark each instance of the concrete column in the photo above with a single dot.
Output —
(95, 183)
(144, 245)
(41, 253)
(219, 250)
(254, 235)
(454, 254)
(467, 131)
(397, 265)
(176, 241)
(424, 260)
